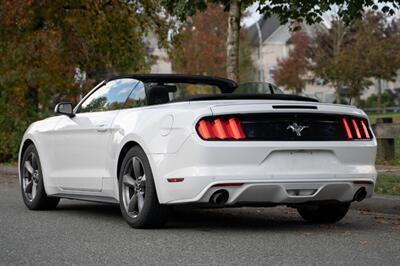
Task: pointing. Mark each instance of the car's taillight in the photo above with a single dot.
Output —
(220, 129)
(355, 128)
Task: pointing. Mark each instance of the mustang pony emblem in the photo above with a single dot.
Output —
(297, 128)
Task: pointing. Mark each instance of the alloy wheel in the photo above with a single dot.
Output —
(31, 176)
(134, 187)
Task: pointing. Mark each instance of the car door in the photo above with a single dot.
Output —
(81, 142)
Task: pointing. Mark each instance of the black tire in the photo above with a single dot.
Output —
(40, 200)
(152, 214)
(330, 213)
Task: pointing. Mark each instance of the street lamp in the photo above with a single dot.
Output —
(260, 54)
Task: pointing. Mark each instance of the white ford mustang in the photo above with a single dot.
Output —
(152, 141)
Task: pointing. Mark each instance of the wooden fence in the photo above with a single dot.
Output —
(386, 132)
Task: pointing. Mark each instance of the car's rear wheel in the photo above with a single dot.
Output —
(329, 213)
(32, 184)
(137, 193)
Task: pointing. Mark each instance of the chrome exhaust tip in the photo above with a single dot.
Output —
(360, 195)
(219, 197)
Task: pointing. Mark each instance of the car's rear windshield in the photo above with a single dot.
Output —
(178, 92)
(184, 90)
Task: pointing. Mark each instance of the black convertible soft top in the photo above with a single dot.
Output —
(226, 86)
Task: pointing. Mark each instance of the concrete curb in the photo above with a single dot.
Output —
(8, 170)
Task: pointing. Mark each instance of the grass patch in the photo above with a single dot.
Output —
(388, 184)
(12, 163)
(374, 116)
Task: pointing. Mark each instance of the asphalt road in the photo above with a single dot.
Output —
(95, 234)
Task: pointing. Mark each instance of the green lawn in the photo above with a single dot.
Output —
(374, 116)
(388, 184)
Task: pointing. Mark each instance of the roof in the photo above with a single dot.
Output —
(268, 26)
(271, 24)
(226, 85)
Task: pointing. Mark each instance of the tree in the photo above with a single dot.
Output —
(328, 56)
(183, 9)
(291, 71)
(383, 39)
(288, 11)
(44, 42)
(200, 47)
(348, 56)
(232, 42)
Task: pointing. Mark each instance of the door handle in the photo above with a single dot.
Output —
(101, 128)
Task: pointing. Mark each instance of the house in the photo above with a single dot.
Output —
(275, 44)
(161, 64)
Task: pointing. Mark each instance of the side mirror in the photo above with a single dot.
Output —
(64, 109)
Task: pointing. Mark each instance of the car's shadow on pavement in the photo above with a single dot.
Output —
(252, 219)
(82, 208)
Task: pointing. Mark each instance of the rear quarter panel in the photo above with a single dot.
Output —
(158, 129)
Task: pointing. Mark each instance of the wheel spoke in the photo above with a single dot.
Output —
(129, 181)
(140, 197)
(34, 190)
(28, 166)
(28, 188)
(136, 167)
(134, 178)
(33, 160)
(133, 203)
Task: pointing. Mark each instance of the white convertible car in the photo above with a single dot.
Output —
(152, 141)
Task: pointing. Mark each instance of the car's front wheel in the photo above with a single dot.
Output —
(137, 193)
(32, 184)
(329, 213)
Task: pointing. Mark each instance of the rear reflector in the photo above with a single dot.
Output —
(175, 180)
(220, 129)
(362, 182)
(228, 185)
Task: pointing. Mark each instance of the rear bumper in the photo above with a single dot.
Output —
(268, 171)
(290, 193)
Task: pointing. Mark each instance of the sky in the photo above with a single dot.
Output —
(253, 15)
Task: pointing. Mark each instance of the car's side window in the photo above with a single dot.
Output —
(137, 97)
(111, 96)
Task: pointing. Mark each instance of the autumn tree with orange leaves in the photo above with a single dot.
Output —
(291, 71)
(200, 46)
(43, 43)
